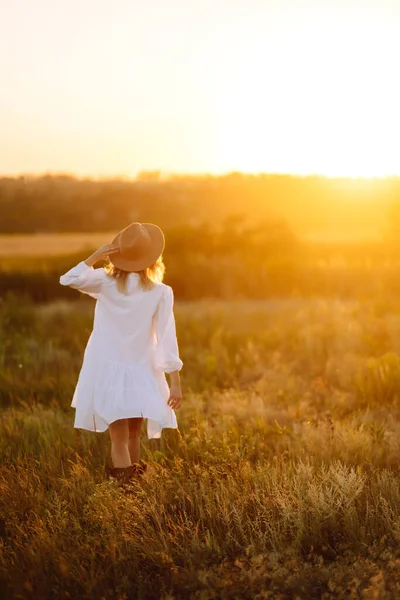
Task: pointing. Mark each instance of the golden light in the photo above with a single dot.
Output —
(320, 100)
(274, 87)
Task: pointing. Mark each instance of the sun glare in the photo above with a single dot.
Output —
(318, 103)
(275, 87)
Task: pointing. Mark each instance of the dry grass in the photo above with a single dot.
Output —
(283, 481)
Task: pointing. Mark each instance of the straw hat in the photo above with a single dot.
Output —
(140, 244)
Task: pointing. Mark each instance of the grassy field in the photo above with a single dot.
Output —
(282, 481)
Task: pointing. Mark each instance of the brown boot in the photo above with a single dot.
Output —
(142, 467)
(124, 475)
(119, 474)
(136, 470)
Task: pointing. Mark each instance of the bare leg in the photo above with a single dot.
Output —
(119, 434)
(135, 425)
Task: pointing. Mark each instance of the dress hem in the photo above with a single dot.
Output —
(156, 435)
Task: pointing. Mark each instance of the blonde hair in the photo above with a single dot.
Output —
(147, 277)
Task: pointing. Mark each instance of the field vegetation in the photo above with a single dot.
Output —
(282, 481)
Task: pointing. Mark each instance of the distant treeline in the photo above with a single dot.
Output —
(308, 204)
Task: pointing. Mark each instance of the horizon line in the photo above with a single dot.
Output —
(160, 175)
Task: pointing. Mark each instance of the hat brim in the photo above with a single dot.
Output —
(147, 259)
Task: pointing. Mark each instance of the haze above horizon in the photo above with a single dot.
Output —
(105, 89)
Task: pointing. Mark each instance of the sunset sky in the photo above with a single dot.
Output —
(103, 88)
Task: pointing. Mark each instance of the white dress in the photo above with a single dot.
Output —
(132, 345)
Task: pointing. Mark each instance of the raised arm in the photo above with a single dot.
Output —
(84, 277)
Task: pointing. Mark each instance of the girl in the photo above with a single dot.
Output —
(132, 345)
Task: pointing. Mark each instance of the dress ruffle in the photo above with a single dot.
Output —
(110, 388)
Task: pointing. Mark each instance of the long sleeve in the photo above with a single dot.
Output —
(166, 353)
(84, 278)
